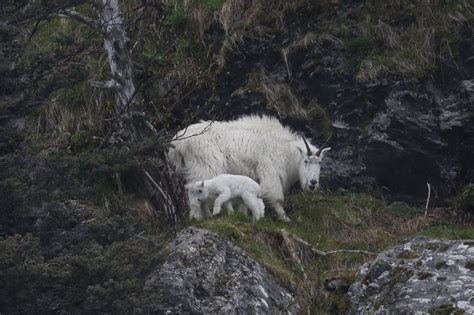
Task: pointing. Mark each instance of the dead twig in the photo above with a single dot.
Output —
(204, 130)
(169, 206)
(287, 239)
(428, 198)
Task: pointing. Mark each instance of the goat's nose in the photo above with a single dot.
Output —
(313, 182)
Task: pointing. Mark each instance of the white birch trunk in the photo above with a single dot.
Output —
(111, 26)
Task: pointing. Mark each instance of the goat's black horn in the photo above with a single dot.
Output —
(307, 146)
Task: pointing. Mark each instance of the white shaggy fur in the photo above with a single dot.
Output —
(222, 189)
(257, 147)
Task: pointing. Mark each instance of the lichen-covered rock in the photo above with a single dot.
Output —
(417, 277)
(206, 274)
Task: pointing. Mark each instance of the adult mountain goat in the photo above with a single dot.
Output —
(257, 147)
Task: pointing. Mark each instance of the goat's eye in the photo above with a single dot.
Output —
(305, 161)
(199, 191)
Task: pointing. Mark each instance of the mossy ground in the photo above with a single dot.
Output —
(330, 221)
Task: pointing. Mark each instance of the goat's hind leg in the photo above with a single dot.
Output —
(252, 202)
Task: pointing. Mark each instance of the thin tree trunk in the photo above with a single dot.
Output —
(118, 53)
(109, 23)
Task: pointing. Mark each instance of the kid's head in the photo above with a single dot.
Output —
(197, 191)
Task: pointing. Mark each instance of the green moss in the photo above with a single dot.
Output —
(437, 247)
(424, 275)
(470, 265)
(446, 309)
(408, 254)
(399, 275)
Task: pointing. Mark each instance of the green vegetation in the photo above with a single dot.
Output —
(446, 309)
(94, 259)
(103, 271)
(328, 222)
(424, 275)
(450, 231)
(466, 199)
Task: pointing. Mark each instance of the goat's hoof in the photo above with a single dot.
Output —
(284, 218)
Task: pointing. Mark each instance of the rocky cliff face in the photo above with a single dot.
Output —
(418, 276)
(207, 275)
(394, 132)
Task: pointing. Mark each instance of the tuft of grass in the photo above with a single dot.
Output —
(424, 275)
(446, 309)
(450, 232)
(282, 99)
(413, 36)
(466, 199)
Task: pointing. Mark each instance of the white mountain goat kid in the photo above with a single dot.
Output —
(257, 147)
(223, 188)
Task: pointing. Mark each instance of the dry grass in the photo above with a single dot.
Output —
(370, 70)
(61, 121)
(312, 39)
(243, 19)
(413, 48)
(308, 40)
(280, 97)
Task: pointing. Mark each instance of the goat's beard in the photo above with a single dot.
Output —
(306, 187)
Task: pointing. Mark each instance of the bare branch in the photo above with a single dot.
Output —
(306, 246)
(111, 84)
(204, 130)
(170, 207)
(71, 14)
(428, 198)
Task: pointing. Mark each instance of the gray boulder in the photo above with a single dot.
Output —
(206, 274)
(417, 277)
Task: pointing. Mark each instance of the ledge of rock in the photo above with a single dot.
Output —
(206, 274)
(418, 277)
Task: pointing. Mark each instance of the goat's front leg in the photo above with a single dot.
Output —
(222, 198)
(206, 213)
(228, 205)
